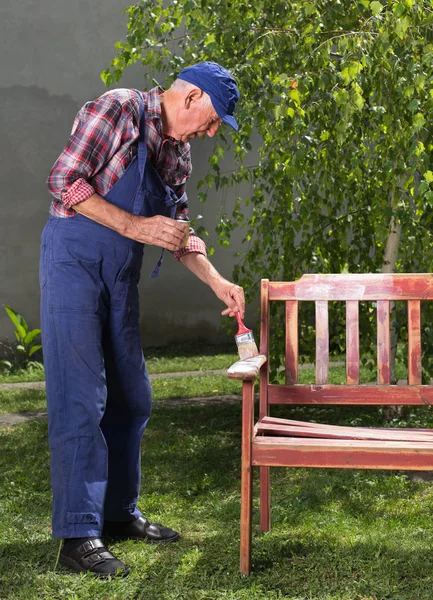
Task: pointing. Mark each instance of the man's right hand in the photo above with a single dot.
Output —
(155, 231)
(158, 231)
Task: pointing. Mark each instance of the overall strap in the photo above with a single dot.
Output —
(171, 201)
(142, 147)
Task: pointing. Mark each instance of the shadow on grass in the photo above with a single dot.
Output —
(336, 534)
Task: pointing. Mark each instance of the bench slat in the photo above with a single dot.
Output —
(347, 394)
(264, 347)
(291, 342)
(343, 433)
(383, 342)
(414, 342)
(311, 425)
(375, 286)
(352, 342)
(343, 454)
(322, 342)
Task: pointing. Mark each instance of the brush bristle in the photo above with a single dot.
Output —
(247, 350)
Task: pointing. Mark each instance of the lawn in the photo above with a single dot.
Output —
(337, 535)
(190, 386)
(21, 400)
(172, 359)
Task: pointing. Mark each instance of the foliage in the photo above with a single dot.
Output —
(25, 346)
(340, 96)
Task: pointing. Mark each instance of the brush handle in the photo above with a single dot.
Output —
(242, 328)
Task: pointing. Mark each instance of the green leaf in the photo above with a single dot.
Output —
(354, 69)
(209, 179)
(31, 336)
(17, 321)
(294, 95)
(34, 349)
(376, 8)
(209, 39)
(418, 121)
(401, 27)
(423, 187)
(309, 8)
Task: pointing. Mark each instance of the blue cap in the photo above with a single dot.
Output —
(219, 84)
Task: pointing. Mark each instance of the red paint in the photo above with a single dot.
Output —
(352, 342)
(353, 394)
(292, 342)
(322, 342)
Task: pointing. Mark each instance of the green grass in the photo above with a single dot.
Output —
(23, 375)
(337, 535)
(181, 387)
(166, 388)
(22, 400)
(179, 364)
(173, 359)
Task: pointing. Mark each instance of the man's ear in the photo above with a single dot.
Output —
(193, 96)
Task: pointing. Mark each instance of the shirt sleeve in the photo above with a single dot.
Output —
(95, 137)
(195, 244)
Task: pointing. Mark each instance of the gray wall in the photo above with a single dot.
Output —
(52, 52)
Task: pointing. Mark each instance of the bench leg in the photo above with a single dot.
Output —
(265, 499)
(246, 476)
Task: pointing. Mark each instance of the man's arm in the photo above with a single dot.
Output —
(230, 293)
(156, 231)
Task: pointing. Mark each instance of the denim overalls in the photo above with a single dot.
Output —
(98, 391)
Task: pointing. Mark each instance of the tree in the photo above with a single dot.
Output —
(341, 96)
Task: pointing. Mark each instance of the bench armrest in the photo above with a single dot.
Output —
(246, 369)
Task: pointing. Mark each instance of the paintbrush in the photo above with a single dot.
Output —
(245, 340)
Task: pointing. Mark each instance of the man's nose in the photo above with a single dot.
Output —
(213, 129)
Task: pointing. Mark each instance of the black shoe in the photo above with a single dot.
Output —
(92, 556)
(139, 529)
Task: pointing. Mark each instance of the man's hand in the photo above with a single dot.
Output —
(232, 295)
(158, 231)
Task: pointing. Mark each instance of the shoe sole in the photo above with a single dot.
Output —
(140, 538)
(66, 561)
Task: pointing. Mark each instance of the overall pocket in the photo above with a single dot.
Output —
(76, 286)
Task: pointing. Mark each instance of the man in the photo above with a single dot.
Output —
(118, 184)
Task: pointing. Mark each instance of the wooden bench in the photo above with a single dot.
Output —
(274, 442)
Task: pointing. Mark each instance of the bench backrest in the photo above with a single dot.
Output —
(351, 289)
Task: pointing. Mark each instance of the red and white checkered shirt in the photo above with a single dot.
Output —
(103, 142)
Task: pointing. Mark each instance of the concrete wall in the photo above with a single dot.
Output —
(52, 52)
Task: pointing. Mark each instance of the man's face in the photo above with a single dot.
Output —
(196, 118)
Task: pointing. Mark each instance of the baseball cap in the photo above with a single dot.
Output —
(216, 81)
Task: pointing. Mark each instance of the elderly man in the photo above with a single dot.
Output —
(118, 185)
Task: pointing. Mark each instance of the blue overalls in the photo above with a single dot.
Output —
(98, 390)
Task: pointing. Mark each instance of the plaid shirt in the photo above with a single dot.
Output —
(103, 142)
